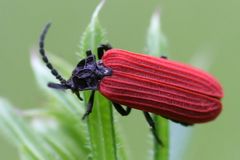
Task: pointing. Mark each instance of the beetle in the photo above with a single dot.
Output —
(173, 90)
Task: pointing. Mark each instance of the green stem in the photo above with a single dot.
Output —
(161, 152)
(156, 46)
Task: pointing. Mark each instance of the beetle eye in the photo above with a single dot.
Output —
(79, 83)
(83, 84)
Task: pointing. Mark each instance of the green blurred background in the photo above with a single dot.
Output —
(211, 27)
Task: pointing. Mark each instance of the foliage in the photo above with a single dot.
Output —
(54, 129)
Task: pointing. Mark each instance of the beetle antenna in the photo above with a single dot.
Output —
(45, 58)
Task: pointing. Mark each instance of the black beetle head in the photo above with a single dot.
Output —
(86, 75)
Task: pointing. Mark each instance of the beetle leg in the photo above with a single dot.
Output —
(121, 110)
(88, 53)
(164, 57)
(78, 95)
(90, 105)
(102, 48)
(152, 125)
(184, 124)
(106, 46)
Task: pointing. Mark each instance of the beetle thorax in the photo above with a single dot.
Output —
(88, 74)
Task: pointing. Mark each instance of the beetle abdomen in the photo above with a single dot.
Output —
(173, 90)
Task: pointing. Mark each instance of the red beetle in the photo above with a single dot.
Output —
(170, 89)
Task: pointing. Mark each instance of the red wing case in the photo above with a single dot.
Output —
(167, 88)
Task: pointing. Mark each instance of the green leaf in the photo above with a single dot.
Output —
(103, 139)
(156, 46)
(156, 43)
(93, 36)
(20, 133)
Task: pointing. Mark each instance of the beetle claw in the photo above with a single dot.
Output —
(78, 95)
